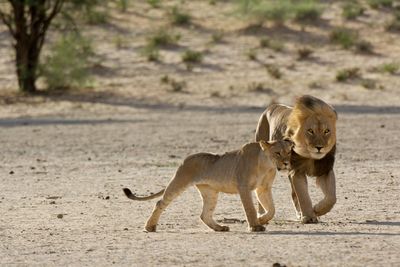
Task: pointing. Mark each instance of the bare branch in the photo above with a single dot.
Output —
(56, 9)
(7, 20)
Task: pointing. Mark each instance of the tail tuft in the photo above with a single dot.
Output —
(127, 192)
(130, 195)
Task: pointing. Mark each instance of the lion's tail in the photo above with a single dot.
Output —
(130, 195)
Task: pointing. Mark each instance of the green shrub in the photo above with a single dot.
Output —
(380, 3)
(363, 46)
(252, 54)
(152, 53)
(154, 3)
(163, 38)
(368, 84)
(67, 65)
(280, 11)
(307, 11)
(344, 37)
(190, 56)
(352, 10)
(304, 53)
(274, 44)
(123, 4)
(274, 71)
(347, 74)
(390, 68)
(277, 11)
(178, 17)
(217, 36)
(96, 16)
(121, 42)
(394, 24)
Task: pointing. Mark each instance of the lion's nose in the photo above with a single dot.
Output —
(319, 148)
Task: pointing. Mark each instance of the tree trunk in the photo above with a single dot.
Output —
(26, 65)
(28, 23)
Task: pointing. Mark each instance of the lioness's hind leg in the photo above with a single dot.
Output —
(210, 198)
(176, 186)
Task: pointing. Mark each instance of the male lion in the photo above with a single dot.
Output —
(311, 125)
(253, 167)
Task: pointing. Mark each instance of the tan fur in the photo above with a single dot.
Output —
(253, 167)
(311, 125)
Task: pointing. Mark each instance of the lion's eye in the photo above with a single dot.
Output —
(278, 154)
(327, 131)
(310, 131)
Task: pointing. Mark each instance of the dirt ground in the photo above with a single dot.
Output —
(65, 157)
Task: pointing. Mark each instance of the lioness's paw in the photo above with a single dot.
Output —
(257, 228)
(308, 219)
(223, 228)
(150, 228)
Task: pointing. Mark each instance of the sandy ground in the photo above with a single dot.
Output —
(65, 158)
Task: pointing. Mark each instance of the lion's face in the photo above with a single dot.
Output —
(315, 137)
(312, 127)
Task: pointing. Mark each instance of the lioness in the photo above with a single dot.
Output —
(253, 167)
(311, 124)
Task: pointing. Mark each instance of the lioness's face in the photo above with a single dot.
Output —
(280, 152)
(315, 138)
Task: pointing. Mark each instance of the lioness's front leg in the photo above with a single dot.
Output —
(251, 213)
(327, 183)
(299, 182)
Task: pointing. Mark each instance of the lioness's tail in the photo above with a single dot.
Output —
(130, 195)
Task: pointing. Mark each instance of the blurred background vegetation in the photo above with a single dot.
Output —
(69, 55)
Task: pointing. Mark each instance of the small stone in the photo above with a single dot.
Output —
(11, 172)
(119, 170)
(52, 202)
(107, 197)
(60, 216)
(125, 229)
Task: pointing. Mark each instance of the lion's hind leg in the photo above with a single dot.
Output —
(210, 198)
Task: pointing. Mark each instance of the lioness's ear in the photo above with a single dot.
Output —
(264, 145)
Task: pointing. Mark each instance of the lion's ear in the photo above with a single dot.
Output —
(264, 145)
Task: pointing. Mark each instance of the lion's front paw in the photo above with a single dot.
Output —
(308, 219)
(150, 228)
(257, 228)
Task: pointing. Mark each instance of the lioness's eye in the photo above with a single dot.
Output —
(277, 153)
(310, 131)
(326, 131)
